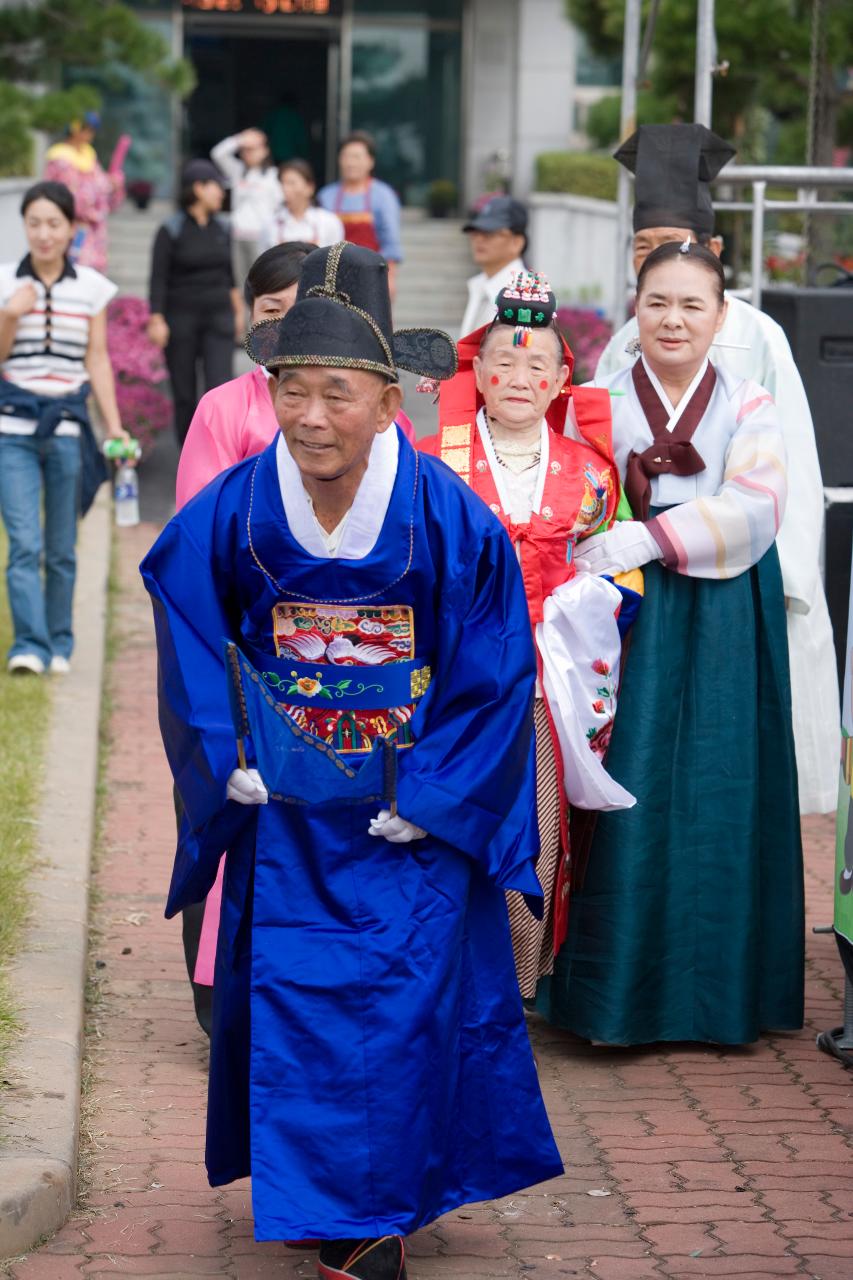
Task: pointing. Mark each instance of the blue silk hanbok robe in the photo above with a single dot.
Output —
(370, 1067)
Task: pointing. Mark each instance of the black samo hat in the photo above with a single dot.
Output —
(499, 214)
(342, 319)
(673, 165)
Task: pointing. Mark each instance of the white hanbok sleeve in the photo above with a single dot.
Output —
(581, 649)
(726, 534)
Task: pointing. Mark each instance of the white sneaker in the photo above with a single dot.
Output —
(59, 666)
(23, 662)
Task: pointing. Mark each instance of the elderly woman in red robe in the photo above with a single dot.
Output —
(502, 424)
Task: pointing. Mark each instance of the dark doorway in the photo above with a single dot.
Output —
(277, 84)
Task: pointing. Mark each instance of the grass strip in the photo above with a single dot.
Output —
(24, 712)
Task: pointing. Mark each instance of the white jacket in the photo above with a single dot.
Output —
(482, 291)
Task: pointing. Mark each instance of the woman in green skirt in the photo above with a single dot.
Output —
(688, 924)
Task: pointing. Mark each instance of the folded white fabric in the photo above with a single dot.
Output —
(628, 545)
(395, 829)
(579, 642)
(246, 787)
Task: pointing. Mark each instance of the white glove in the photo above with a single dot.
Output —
(628, 545)
(246, 787)
(395, 829)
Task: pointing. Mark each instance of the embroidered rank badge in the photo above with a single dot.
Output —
(335, 639)
(598, 488)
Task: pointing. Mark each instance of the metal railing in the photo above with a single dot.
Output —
(808, 180)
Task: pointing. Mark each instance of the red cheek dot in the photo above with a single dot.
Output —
(494, 379)
(543, 385)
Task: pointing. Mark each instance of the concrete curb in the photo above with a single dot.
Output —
(40, 1120)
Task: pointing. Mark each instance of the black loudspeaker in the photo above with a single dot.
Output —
(839, 552)
(819, 327)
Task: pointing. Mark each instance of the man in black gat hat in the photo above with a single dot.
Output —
(370, 1067)
(674, 165)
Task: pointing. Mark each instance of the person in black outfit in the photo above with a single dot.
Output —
(196, 311)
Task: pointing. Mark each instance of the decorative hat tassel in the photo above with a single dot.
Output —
(429, 387)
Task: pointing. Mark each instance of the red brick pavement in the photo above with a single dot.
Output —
(735, 1163)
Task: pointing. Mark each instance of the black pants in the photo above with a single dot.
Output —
(197, 337)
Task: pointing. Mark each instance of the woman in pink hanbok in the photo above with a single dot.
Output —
(97, 192)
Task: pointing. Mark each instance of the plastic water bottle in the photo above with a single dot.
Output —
(126, 497)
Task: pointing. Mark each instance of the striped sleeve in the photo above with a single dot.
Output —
(724, 535)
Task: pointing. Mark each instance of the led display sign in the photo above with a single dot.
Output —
(313, 8)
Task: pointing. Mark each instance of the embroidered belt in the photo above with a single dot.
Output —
(315, 684)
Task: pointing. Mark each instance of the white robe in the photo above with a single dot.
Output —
(753, 346)
(482, 291)
(358, 531)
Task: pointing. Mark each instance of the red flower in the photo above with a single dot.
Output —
(598, 707)
(600, 667)
(600, 741)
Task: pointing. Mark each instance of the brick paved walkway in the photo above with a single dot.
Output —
(716, 1164)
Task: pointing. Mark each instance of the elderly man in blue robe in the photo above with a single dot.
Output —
(355, 616)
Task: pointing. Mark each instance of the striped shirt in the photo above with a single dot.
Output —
(49, 351)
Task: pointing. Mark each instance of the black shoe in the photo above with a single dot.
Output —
(845, 883)
(383, 1259)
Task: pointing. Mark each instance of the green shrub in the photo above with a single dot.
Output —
(22, 111)
(24, 712)
(602, 121)
(604, 117)
(577, 172)
(442, 197)
(17, 156)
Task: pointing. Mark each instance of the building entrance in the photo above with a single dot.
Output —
(285, 85)
(305, 71)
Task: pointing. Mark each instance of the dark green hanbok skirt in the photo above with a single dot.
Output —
(689, 924)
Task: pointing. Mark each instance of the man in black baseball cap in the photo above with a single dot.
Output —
(498, 236)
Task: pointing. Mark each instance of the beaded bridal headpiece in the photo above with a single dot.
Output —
(527, 302)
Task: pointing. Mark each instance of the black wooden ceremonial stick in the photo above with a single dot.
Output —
(237, 700)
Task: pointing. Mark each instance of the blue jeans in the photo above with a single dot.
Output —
(29, 470)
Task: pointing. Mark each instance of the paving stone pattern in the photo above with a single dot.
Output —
(735, 1163)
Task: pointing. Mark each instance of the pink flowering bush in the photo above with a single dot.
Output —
(587, 333)
(139, 369)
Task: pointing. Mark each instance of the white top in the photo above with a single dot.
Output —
(49, 350)
(519, 492)
(357, 534)
(482, 291)
(316, 226)
(754, 347)
(255, 193)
